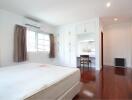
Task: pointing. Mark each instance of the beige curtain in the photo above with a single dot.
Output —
(20, 49)
(52, 46)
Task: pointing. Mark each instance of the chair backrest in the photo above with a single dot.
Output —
(82, 57)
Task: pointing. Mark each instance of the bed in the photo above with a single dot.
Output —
(31, 81)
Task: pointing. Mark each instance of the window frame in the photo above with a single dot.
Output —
(36, 42)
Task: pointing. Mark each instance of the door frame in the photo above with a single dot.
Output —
(102, 50)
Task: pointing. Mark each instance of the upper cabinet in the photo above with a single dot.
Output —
(90, 26)
(87, 27)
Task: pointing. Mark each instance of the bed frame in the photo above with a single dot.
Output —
(67, 95)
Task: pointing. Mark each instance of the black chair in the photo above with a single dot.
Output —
(85, 60)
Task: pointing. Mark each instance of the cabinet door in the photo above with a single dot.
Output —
(67, 48)
(72, 46)
(90, 27)
(80, 28)
(73, 52)
(61, 46)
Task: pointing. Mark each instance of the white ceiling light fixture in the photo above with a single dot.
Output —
(108, 4)
(115, 19)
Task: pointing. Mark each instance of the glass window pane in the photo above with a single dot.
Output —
(43, 42)
(31, 41)
(47, 37)
(40, 36)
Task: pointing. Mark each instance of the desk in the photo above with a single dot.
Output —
(91, 58)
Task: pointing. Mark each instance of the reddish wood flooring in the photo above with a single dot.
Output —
(111, 83)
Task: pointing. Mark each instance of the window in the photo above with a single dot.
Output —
(37, 42)
(43, 42)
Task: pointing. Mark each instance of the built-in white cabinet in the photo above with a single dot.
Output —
(66, 51)
(67, 40)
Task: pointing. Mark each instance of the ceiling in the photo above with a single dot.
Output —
(59, 12)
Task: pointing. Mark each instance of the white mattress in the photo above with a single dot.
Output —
(28, 80)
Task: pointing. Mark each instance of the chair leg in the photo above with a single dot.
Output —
(80, 65)
(83, 66)
(88, 65)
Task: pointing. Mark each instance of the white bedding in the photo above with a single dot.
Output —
(22, 81)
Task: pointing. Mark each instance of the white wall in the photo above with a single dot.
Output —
(117, 43)
(98, 44)
(7, 23)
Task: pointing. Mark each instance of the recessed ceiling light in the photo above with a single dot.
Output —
(115, 19)
(108, 4)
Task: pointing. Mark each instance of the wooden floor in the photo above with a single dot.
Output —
(109, 84)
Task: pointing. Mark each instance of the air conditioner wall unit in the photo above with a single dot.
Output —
(32, 23)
